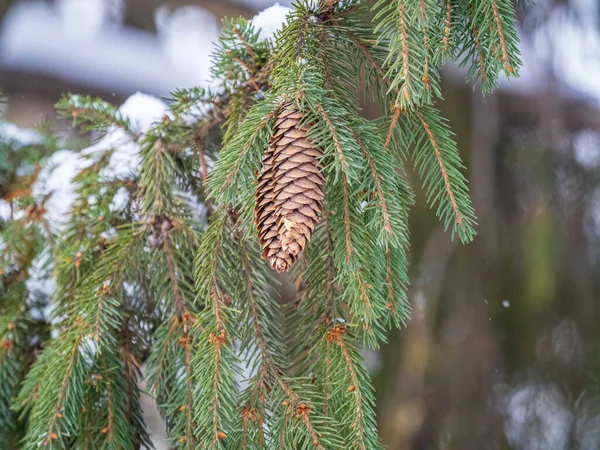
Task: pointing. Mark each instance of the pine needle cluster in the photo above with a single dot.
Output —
(169, 289)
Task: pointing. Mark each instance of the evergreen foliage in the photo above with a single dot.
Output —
(170, 288)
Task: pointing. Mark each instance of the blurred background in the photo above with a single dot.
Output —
(503, 348)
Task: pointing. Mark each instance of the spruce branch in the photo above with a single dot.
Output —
(271, 376)
(491, 41)
(129, 294)
(405, 26)
(456, 204)
(91, 113)
(326, 351)
(215, 363)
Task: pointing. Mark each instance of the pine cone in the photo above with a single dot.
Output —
(289, 194)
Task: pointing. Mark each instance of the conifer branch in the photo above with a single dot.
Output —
(327, 379)
(163, 352)
(109, 406)
(92, 113)
(384, 208)
(423, 12)
(51, 435)
(288, 415)
(368, 56)
(249, 47)
(335, 137)
(213, 358)
(199, 141)
(215, 407)
(436, 148)
(500, 30)
(480, 55)
(98, 318)
(390, 282)
(172, 276)
(270, 369)
(250, 142)
(356, 389)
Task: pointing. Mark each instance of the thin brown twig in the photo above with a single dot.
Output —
(405, 50)
(101, 301)
(347, 220)
(109, 405)
(234, 169)
(363, 295)
(247, 45)
(199, 141)
(163, 352)
(367, 54)
(312, 431)
(389, 282)
(245, 424)
(248, 69)
(500, 28)
(359, 425)
(482, 71)
(284, 426)
(172, 276)
(384, 209)
(188, 390)
(334, 136)
(327, 390)
(394, 121)
(447, 25)
(425, 77)
(63, 390)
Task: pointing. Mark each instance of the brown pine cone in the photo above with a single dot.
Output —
(289, 194)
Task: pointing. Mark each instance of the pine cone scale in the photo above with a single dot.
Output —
(289, 193)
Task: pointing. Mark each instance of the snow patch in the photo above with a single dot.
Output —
(120, 200)
(142, 111)
(271, 20)
(19, 137)
(56, 179)
(40, 283)
(5, 210)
